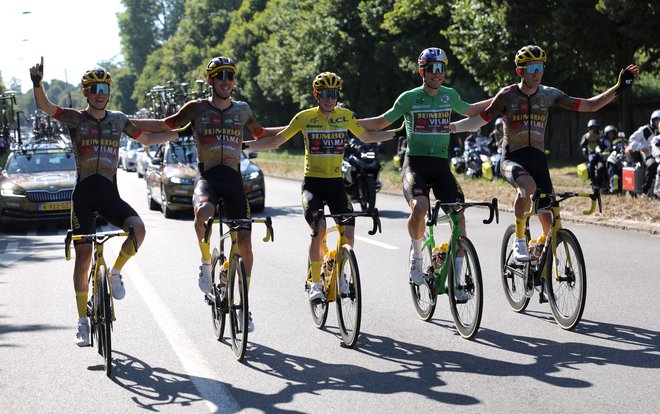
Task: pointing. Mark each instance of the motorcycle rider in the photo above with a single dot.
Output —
(593, 146)
(639, 149)
(495, 145)
(617, 144)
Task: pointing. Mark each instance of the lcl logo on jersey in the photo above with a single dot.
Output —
(341, 119)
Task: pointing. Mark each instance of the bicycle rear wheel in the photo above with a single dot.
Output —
(514, 273)
(217, 301)
(237, 302)
(348, 296)
(424, 295)
(567, 285)
(105, 319)
(466, 312)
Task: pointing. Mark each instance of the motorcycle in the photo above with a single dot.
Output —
(360, 169)
(477, 158)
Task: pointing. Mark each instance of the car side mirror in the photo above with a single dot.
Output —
(156, 161)
(252, 155)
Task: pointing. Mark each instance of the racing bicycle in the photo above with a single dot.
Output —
(456, 272)
(340, 278)
(100, 307)
(559, 273)
(229, 288)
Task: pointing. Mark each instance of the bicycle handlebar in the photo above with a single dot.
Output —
(557, 198)
(344, 217)
(458, 206)
(97, 238)
(237, 223)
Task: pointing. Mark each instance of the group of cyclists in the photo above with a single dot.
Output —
(218, 124)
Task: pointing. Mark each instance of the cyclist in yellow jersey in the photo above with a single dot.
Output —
(325, 130)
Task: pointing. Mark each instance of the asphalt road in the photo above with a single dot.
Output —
(167, 360)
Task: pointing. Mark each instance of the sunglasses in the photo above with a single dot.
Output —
(225, 75)
(534, 68)
(97, 88)
(328, 93)
(435, 68)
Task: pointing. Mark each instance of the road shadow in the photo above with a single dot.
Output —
(6, 329)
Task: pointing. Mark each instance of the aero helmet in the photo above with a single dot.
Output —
(432, 54)
(610, 128)
(327, 80)
(219, 63)
(530, 53)
(96, 75)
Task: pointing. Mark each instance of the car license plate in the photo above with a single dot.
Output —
(55, 206)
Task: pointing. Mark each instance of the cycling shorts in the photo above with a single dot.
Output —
(97, 194)
(527, 161)
(223, 182)
(420, 173)
(319, 191)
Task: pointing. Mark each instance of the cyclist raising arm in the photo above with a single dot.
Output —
(217, 124)
(95, 134)
(426, 111)
(325, 130)
(525, 107)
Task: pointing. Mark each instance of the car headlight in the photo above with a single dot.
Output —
(251, 176)
(181, 181)
(12, 190)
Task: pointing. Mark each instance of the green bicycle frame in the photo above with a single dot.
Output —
(441, 274)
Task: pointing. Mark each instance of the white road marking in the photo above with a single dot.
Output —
(12, 254)
(376, 243)
(215, 394)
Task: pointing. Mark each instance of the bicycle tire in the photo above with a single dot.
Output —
(218, 302)
(467, 315)
(105, 319)
(237, 304)
(567, 294)
(513, 274)
(349, 304)
(318, 308)
(424, 296)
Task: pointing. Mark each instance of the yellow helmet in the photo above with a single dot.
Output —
(530, 53)
(327, 80)
(219, 63)
(96, 75)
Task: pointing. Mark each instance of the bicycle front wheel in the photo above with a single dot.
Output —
(466, 296)
(237, 303)
(348, 296)
(319, 308)
(424, 295)
(567, 285)
(105, 319)
(514, 273)
(217, 300)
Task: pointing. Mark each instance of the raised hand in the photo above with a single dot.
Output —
(626, 77)
(37, 73)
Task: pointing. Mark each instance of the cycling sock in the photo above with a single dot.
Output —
(520, 228)
(417, 247)
(316, 271)
(205, 248)
(81, 304)
(459, 269)
(121, 260)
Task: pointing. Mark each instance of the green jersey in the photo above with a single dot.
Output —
(427, 119)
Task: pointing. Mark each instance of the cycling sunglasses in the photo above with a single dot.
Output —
(225, 75)
(328, 93)
(97, 88)
(534, 68)
(435, 67)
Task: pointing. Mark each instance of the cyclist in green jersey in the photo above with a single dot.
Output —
(325, 130)
(427, 111)
(95, 134)
(525, 107)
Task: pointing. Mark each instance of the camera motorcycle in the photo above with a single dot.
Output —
(360, 169)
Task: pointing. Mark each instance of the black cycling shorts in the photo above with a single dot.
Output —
(527, 161)
(223, 182)
(319, 191)
(97, 194)
(421, 173)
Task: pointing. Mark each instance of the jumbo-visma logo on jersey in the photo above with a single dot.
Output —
(431, 122)
(326, 142)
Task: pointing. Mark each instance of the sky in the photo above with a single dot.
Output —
(71, 35)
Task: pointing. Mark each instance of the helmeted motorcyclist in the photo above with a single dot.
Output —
(639, 149)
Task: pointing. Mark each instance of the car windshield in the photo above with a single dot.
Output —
(186, 154)
(34, 163)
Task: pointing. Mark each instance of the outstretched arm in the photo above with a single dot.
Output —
(40, 98)
(377, 136)
(374, 124)
(593, 104)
